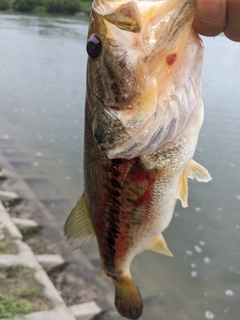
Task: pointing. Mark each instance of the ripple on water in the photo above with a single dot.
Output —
(194, 274)
(209, 315)
(39, 154)
(229, 293)
(198, 249)
(207, 260)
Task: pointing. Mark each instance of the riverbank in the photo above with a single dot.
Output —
(72, 7)
(57, 283)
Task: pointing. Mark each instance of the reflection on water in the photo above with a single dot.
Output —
(42, 89)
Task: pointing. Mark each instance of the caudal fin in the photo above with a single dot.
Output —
(128, 300)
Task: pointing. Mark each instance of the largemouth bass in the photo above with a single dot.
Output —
(142, 119)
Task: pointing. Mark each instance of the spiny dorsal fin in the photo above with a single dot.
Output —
(159, 245)
(182, 193)
(125, 17)
(78, 227)
(195, 170)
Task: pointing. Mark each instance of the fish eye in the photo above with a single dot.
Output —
(94, 47)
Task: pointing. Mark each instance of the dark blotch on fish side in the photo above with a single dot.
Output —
(115, 183)
(98, 134)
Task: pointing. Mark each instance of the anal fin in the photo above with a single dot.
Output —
(159, 245)
(78, 228)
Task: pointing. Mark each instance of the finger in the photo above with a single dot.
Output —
(210, 17)
(232, 30)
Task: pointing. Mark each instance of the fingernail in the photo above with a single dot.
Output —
(209, 10)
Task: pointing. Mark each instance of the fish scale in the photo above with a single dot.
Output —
(143, 115)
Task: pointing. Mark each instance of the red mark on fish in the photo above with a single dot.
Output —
(171, 58)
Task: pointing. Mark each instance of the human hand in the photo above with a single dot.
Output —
(215, 16)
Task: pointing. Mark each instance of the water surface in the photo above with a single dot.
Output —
(42, 92)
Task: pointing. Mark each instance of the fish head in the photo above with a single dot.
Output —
(132, 47)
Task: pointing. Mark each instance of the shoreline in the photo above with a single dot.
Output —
(84, 12)
(75, 277)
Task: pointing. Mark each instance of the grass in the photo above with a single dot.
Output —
(7, 245)
(30, 232)
(11, 308)
(3, 246)
(20, 293)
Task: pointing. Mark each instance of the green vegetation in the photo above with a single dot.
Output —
(85, 6)
(3, 246)
(51, 6)
(5, 4)
(7, 244)
(11, 308)
(20, 293)
(25, 5)
(63, 6)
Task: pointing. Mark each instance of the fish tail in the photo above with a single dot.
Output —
(128, 300)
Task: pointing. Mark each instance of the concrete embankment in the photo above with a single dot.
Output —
(70, 280)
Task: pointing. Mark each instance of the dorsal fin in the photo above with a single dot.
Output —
(126, 17)
(78, 227)
(159, 245)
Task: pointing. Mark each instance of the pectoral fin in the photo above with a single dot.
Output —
(125, 17)
(195, 170)
(159, 245)
(78, 227)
